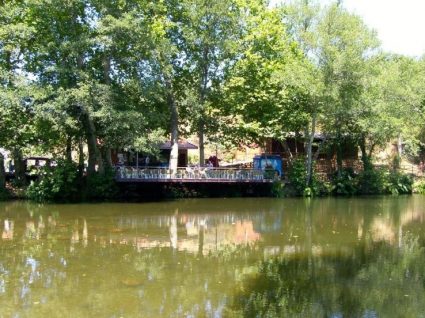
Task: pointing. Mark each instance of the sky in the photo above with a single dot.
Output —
(400, 24)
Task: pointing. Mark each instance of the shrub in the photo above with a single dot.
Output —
(372, 181)
(59, 183)
(322, 188)
(419, 186)
(344, 183)
(4, 194)
(398, 183)
(297, 175)
(101, 186)
(278, 189)
(383, 181)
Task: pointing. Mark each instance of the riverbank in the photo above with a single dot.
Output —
(64, 185)
(145, 192)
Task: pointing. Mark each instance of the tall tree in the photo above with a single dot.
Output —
(261, 99)
(208, 31)
(302, 19)
(16, 123)
(345, 44)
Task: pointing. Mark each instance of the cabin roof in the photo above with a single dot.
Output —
(37, 158)
(182, 145)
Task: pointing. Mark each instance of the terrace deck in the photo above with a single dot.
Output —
(191, 175)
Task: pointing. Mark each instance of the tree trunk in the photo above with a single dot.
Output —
(319, 149)
(106, 75)
(107, 156)
(80, 157)
(106, 69)
(68, 151)
(20, 178)
(397, 161)
(339, 157)
(2, 173)
(365, 156)
(174, 128)
(201, 143)
(309, 152)
(93, 150)
(202, 96)
(287, 150)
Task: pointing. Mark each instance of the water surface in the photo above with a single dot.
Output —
(333, 257)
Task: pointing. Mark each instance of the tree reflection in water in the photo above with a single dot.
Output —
(199, 258)
(373, 280)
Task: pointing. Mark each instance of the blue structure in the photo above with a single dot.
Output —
(264, 161)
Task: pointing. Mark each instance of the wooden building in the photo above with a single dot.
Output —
(134, 158)
(326, 159)
(183, 158)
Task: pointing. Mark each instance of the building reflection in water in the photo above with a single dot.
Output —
(30, 230)
(8, 230)
(203, 233)
(173, 231)
(40, 266)
(85, 233)
(191, 233)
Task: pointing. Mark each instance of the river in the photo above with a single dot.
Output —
(330, 257)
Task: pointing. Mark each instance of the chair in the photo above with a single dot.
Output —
(162, 173)
(203, 173)
(142, 174)
(134, 173)
(190, 173)
(128, 173)
(121, 172)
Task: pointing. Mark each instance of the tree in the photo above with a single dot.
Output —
(261, 99)
(339, 46)
(302, 18)
(58, 59)
(345, 44)
(396, 99)
(89, 59)
(15, 101)
(208, 31)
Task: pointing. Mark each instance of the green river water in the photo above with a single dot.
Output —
(331, 257)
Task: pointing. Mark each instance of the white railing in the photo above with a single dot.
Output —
(191, 173)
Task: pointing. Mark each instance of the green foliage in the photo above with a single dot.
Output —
(344, 183)
(62, 184)
(398, 183)
(297, 175)
(101, 186)
(58, 183)
(4, 194)
(193, 159)
(278, 189)
(371, 181)
(419, 186)
(382, 181)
